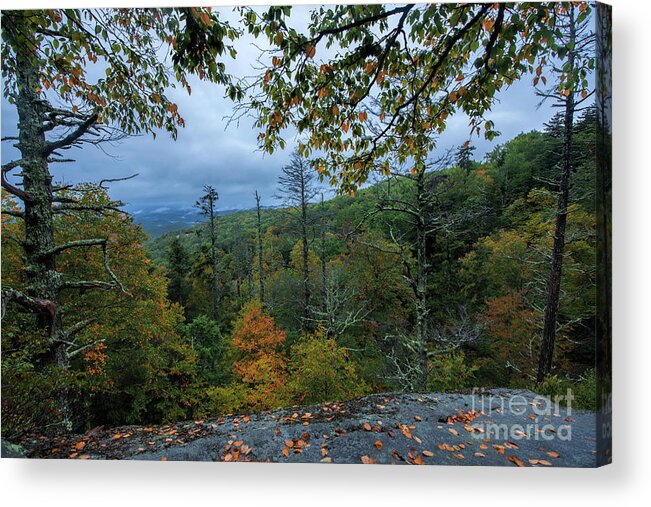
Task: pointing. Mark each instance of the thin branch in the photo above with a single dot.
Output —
(113, 180)
(72, 137)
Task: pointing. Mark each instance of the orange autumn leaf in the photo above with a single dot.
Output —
(418, 461)
(367, 460)
(540, 462)
(378, 445)
(367, 426)
(515, 460)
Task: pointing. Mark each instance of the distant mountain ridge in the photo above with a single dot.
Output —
(158, 220)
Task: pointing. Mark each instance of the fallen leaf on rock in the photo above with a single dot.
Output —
(480, 455)
(238, 443)
(285, 452)
(378, 445)
(418, 440)
(417, 418)
(553, 454)
(326, 460)
(367, 460)
(517, 461)
(405, 431)
(540, 462)
(429, 454)
(367, 426)
(164, 458)
(80, 445)
(453, 431)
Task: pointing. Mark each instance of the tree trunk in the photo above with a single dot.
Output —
(41, 277)
(260, 264)
(554, 280)
(213, 261)
(421, 283)
(306, 261)
(324, 272)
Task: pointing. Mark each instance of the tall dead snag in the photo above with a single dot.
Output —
(409, 205)
(207, 207)
(570, 62)
(297, 189)
(46, 58)
(261, 279)
(323, 256)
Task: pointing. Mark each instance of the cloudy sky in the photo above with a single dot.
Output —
(171, 173)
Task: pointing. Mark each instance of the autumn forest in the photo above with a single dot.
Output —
(381, 262)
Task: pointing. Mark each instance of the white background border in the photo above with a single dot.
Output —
(54, 483)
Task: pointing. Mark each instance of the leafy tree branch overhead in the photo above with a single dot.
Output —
(371, 86)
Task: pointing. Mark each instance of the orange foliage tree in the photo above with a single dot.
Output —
(261, 365)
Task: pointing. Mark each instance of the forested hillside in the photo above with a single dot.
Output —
(486, 259)
(487, 255)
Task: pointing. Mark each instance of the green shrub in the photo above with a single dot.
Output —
(320, 370)
(449, 372)
(584, 391)
(585, 394)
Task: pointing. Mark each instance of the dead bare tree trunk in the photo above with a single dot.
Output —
(206, 205)
(298, 190)
(322, 256)
(260, 260)
(554, 281)
(422, 272)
